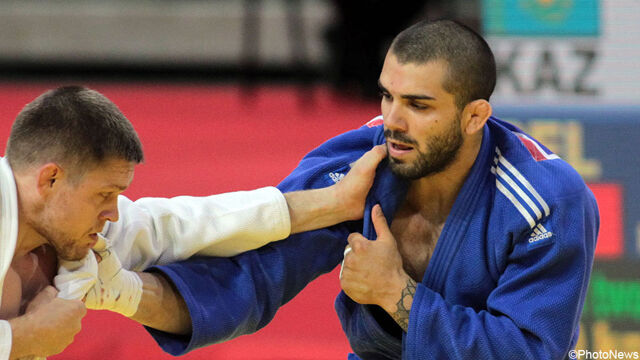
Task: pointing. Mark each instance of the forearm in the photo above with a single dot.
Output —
(315, 209)
(161, 306)
(21, 337)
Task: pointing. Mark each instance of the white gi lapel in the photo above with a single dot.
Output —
(8, 219)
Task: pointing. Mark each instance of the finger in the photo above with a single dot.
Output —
(380, 223)
(345, 275)
(381, 150)
(356, 241)
(371, 159)
(50, 291)
(376, 154)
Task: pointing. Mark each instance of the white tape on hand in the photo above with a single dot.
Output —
(117, 289)
(76, 278)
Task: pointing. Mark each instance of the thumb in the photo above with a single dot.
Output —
(102, 244)
(376, 154)
(370, 160)
(380, 223)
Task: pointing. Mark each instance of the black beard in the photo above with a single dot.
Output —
(441, 152)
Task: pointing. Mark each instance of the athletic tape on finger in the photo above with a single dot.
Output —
(346, 251)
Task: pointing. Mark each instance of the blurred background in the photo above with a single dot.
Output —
(230, 94)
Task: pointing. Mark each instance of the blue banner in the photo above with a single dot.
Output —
(541, 17)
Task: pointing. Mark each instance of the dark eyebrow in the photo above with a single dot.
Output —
(418, 97)
(382, 88)
(408, 97)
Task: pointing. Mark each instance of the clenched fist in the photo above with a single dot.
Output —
(48, 325)
(372, 271)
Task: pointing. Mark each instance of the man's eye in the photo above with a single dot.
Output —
(385, 95)
(105, 195)
(418, 106)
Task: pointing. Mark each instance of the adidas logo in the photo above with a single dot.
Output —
(336, 177)
(539, 233)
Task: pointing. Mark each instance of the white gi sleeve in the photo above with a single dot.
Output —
(159, 231)
(5, 340)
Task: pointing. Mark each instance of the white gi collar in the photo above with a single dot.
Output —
(8, 219)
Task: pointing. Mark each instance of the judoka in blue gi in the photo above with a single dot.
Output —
(484, 239)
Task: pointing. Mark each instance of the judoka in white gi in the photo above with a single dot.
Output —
(70, 155)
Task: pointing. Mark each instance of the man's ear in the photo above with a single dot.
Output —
(474, 115)
(49, 175)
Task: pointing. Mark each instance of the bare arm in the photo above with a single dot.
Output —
(161, 306)
(314, 209)
(344, 201)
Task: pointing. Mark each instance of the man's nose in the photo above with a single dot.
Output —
(394, 119)
(110, 214)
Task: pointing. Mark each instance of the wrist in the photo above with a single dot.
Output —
(120, 293)
(341, 206)
(397, 293)
(317, 208)
(401, 310)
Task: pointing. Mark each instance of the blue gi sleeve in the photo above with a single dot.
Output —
(229, 297)
(533, 312)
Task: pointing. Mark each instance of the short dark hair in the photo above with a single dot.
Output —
(72, 125)
(471, 65)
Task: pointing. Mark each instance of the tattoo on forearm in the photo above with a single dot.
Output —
(401, 316)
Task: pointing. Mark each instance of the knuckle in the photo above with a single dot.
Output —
(360, 244)
(50, 291)
(352, 238)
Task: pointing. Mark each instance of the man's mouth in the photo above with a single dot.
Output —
(397, 149)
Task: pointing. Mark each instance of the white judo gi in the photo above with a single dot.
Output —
(159, 231)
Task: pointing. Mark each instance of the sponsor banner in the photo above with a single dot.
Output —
(565, 51)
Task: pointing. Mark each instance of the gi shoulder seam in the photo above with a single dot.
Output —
(536, 151)
(376, 121)
(512, 184)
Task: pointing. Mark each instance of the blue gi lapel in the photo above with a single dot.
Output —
(389, 191)
(456, 225)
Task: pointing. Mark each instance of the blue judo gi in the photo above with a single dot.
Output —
(507, 280)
